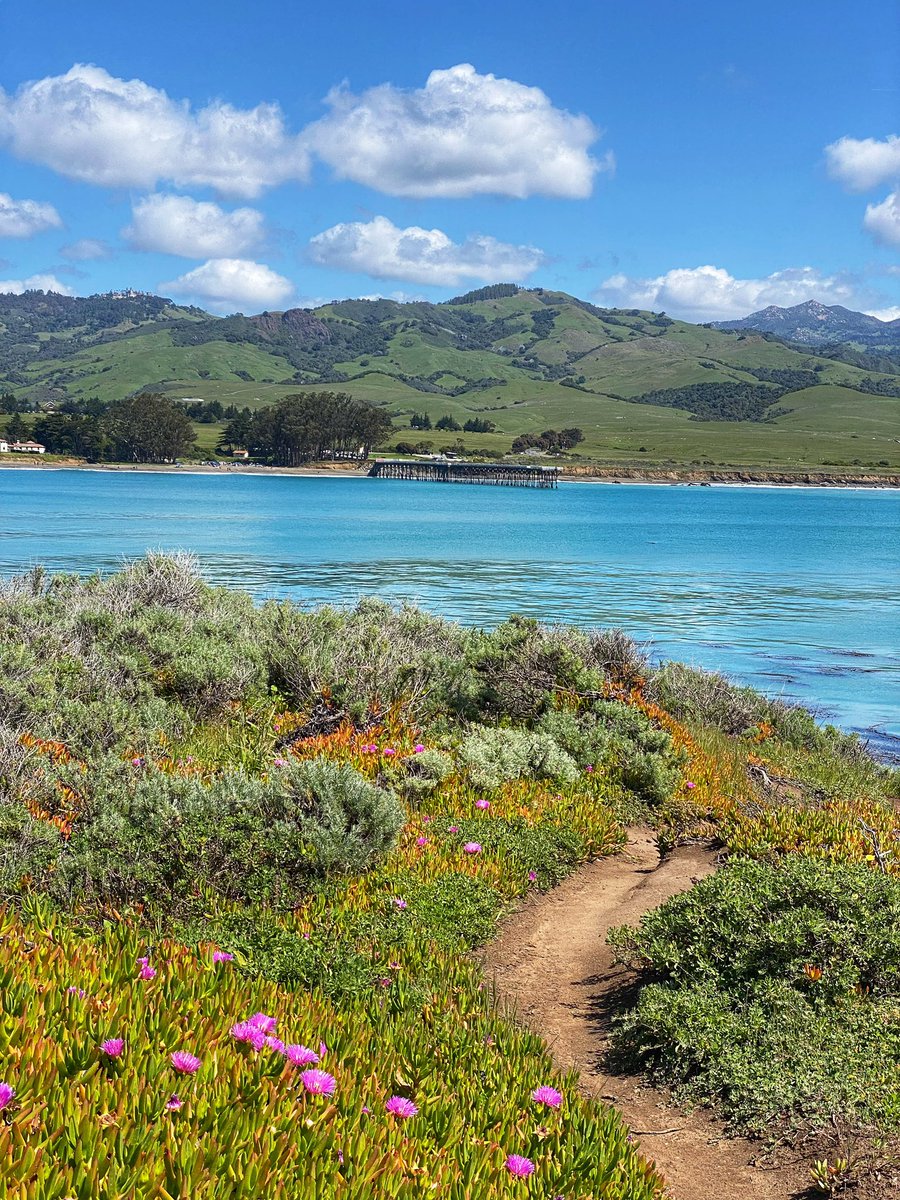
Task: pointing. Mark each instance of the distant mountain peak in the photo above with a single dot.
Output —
(814, 323)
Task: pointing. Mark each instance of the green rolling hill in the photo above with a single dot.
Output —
(645, 390)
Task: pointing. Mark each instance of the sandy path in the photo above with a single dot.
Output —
(551, 963)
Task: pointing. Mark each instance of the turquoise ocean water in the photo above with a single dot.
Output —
(792, 590)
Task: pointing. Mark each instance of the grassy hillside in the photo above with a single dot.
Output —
(528, 361)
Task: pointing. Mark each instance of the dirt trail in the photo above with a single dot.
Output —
(552, 965)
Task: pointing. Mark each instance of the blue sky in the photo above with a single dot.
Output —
(698, 158)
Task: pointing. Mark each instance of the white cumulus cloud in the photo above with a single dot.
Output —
(34, 283)
(883, 220)
(460, 135)
(378, 248)
(25, 218)
(711, 294)
(863, 163)
(231, 284)
(192, 228)
(886, 314)
(89, 125)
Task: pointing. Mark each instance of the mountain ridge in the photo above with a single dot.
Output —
(816, 324)
(524, 360)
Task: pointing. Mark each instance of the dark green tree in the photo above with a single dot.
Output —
(149, 428)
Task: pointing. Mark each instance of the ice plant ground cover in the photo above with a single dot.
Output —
(274, 835)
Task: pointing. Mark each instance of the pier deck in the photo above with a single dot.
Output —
(493, 474)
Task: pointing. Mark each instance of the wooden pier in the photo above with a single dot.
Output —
(494, 474)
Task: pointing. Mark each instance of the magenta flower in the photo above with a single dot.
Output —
(174, 1103)
(112, 1047)
(547, 1095)
(398, 903)
(482, 804)
(472, 848)
(519, 1166)
(137, 762)
(453, 829)
(389, 752)
(261, 1021)
(532, 876)
(220, 956)
(399, 1106)
(418, 748)
(301, 1056)
(318, 1083)
(252, 1035)
(280, 762)
(589, 771)
(425, 820)
(323, 1049)
(7, 1092)
(146, 972)
(421, 841)
(276, 1044)
(184, 1063)
(76, 991)
(384, 982)
(690, 784)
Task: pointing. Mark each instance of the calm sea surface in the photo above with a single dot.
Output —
(792, 590)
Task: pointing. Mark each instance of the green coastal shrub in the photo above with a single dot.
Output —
(774, 991)
(419, 775)
(621, 740)
(521, 665)
(494, 756)
(147, 836)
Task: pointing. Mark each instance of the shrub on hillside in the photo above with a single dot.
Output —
(773, 989)
(492, 757)
(621, 740)
(165, 839)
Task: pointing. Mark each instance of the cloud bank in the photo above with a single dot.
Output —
(91, 126)
(25, 218)
(34, 283)
(378, 248)
(462, 134)
(192, 228)
(231, 284)
(710, 293)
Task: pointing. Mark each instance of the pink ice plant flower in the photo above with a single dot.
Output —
(174, 1103)
(519, 1166)
(300, 1056)
(7, 1092)
(399, 1106)
(532, 876)
(261, 1021)
(76, 991)
(472, 847)
(276, 1044)
(323, 1049)
(398, 903)
(220, 956)
(690, 784)
(247, 1032)
(547, 1095)
(421, 841)
(482, 804)
(389, 752)
(112, 1047)
(279, 762)
(184, 1063)
(418, 748)
(318, 1083)
(453, 829)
